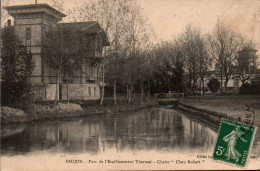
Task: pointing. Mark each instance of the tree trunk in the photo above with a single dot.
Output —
(103, 82)
(195, 88)
(57, 89)
(67, 82)
(221, 80)
(168, 84)
(203, 86)
(190, 83)
(226, 85)
(127, 91)
(130, 94)
(142, 91)
(243, 82)
(201, 91)
(115, 92)
(194, 84)
(149, 89)
(58, 73)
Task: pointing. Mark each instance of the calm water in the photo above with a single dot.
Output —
(162, 130)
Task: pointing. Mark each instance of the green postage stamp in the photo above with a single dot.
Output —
(234, 142)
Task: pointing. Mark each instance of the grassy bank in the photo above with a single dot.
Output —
(41, 111)
(233, 107)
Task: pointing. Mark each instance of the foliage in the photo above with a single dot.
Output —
(178, 72)
(250, 89)
(162, 62)
(17, 66)
(214, 85)
(190, 40)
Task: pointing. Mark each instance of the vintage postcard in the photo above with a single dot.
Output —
(130, 85)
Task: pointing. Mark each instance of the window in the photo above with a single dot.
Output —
(99, 41)
(95, 91)
(88, 72)
(91, 73)
(28, 33)
(89, 91)
(94, 73)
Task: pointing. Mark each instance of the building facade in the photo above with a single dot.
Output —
(31, 22)
(233, 85)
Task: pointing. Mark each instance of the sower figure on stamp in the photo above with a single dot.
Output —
(231, 138)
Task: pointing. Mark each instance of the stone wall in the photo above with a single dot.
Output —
(38, 92)
(81, 92)
(76, 92)
(91, 91)
(51, 91)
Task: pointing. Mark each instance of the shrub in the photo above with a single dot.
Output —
(17, 66)
(11, 115)
(250, 89)
(213, 85)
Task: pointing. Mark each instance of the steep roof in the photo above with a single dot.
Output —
(87, 27)
(78, 26)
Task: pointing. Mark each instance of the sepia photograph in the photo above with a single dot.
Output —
(130, 85)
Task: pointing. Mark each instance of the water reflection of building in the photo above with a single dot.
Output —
(162, 130)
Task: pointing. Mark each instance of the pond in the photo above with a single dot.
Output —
(158, 129)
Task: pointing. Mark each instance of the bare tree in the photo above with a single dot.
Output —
(225, 43)
(189, 48)
(58, 4)
(124, 25)
(63, 53)
(204, 59)
(53, 55)
(164, 62)
(103, 11)
(138, 39)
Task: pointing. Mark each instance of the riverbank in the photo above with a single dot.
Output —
(43, 111)
(211, 109)
(232, 107)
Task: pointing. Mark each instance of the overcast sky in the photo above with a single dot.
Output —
(169, 17)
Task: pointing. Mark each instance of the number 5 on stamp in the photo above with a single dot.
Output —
(234, 142)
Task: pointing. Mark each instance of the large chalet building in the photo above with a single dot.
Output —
(31, 22)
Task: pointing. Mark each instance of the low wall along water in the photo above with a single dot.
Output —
(76, 92)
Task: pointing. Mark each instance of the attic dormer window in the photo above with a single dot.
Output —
(28, 33)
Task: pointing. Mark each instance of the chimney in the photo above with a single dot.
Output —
(9, 23)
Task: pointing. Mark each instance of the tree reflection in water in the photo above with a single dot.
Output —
(164, 130)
